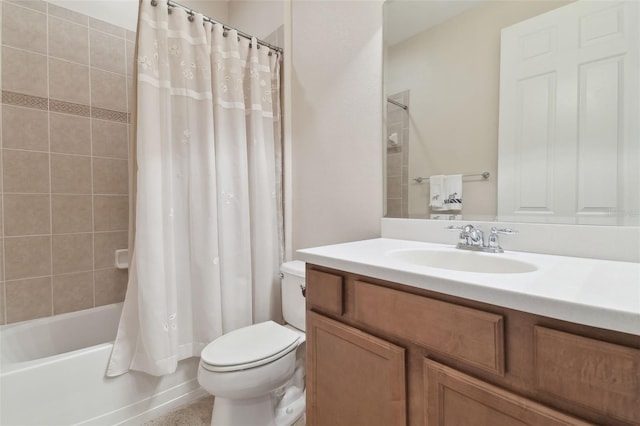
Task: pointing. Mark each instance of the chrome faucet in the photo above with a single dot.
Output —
(472, 238)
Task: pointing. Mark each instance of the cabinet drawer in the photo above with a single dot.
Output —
(325, 291)
(454, 398)
(469, 335)
(599, 375)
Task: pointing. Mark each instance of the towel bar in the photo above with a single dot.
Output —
(485, 175)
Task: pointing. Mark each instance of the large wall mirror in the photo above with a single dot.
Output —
(515, 110)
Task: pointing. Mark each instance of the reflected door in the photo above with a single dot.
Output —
(568, 134)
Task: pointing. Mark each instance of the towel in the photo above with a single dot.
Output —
(437, 192)
(453, 191)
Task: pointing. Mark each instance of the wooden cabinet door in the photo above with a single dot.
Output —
(456, 399)
(353, 378)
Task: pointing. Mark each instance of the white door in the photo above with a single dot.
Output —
(569, 117)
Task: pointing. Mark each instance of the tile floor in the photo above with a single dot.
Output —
(197, 413)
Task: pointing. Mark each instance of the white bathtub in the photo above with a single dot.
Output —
(52, 373)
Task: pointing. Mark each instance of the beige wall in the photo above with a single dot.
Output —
(65, 113)
(452, 71)
(336, 121)
(258, 18)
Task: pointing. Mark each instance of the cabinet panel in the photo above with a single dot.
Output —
(325, 291)
(353, 378)
(453, 398)
(469, 335)
(595, 374)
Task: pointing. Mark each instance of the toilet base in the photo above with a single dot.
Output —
(258, 411)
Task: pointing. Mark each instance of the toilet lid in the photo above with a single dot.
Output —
(249, 347)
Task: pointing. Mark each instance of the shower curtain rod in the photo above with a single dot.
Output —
(396, 103)
(172, 3)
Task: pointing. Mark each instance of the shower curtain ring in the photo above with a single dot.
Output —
(154, 3)
(190, 18)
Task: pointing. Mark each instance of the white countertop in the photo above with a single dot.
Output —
(599, 293)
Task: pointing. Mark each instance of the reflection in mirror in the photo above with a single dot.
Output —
(446, 69)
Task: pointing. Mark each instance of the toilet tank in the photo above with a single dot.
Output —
(293, 302)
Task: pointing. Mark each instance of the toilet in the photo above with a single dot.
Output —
(256, 373)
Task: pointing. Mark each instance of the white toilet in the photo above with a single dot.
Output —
(256, 373)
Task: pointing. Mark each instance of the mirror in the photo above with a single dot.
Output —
(443, 63)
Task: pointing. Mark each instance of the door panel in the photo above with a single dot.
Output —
(356, 378)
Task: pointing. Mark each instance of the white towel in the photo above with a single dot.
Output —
(437, 192)
(453, 191)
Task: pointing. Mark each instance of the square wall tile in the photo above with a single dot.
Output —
(71, 213)
(106, 27)
(28, 299)
(24, 72)
(3, 318)
(25, 172)
(68, 81)
(72, 253)
(27, 257)
(131, 51)
(110, 176)
(110, 286)
(72, 292)
(24, 28)
(394, 207)
(70, 134)
(1, 259)
(131, 36)
(111, 212)
(68, 40)
(108, 90)
(68, 14)
(105, 245)
(394, 187)
(25, 128)
(38, 5)
(107, 52)
(26, 214)
(131, 89)
(109, 139)
(70, 174)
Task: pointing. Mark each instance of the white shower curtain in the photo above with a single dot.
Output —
(208, 219)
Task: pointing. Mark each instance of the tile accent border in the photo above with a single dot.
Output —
(69, 108)
(36, 102)
(107, 114)
(20, 99)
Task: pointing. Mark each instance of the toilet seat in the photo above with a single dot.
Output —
(249, 347)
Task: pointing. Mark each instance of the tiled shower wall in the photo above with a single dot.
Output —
(397, 174)
(64, 202)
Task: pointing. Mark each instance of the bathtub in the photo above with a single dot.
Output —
(52, 372)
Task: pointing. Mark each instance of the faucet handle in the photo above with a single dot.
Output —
(493, 242)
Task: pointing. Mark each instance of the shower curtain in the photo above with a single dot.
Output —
(208, 211)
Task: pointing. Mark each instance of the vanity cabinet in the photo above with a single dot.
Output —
(356, 378)
(382, 353)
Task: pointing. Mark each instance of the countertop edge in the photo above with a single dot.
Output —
(595, 316)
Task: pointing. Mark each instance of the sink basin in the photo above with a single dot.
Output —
(464, 261)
